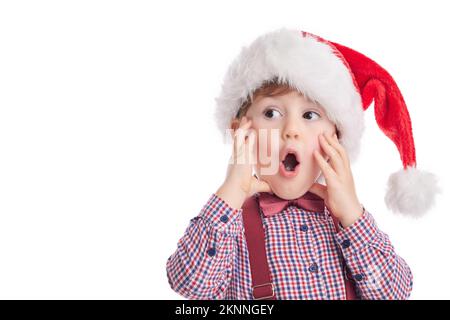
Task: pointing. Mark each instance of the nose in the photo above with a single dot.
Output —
(291, 130)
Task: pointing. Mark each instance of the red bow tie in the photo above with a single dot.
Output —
(271, 204)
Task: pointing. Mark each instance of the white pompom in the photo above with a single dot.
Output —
(411, 191)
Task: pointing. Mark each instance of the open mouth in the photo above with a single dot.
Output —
(290, 162)
(290, 165)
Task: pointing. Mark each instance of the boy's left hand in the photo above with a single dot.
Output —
(339, 194)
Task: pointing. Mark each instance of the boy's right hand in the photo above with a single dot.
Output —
(240, 183)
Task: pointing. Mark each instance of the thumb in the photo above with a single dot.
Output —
(260, 185)
(319, 189)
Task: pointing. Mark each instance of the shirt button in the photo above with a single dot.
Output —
(313, 268)
(345, 243)
(224, 218)
(304, 227)
(211, 252)
(358, 277)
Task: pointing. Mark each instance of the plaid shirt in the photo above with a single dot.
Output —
(306, 257)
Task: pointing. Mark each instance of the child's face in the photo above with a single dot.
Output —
(291, 121)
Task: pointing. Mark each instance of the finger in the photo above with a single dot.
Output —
(239, 149)
(244, 145)
(244, 129)
(250, 146)
(260, 185)
(243, 121)
(244, 125)
(319, 189)
(241, 131)
(336, 160)
(334, 141)
(328, 172)
(238, 142)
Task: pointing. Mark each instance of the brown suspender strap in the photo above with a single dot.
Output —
(262, 286)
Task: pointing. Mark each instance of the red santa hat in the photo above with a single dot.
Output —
(344, 82)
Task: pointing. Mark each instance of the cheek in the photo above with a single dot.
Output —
(268, 143)
(313, 144)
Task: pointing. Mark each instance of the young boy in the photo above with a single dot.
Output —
(295, 103)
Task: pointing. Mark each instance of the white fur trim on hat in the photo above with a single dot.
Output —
(303, 62)
(411, 191)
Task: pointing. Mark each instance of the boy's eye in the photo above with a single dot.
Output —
(309, 115)
(271, 113)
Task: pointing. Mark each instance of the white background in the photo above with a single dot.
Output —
(108, 145)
